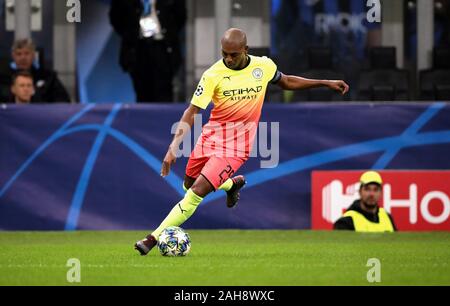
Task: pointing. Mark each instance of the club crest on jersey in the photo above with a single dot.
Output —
(258, 73)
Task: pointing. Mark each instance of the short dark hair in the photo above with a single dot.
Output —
(21, 73)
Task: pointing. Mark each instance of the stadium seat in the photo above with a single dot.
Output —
(441, 58)
(384, 85)
(320, 58)
(383, 93)
(320, 66)
(442, 92)
(435, 82)
(384, 81)
(383, 58)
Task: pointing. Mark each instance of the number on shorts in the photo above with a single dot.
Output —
(226, 174)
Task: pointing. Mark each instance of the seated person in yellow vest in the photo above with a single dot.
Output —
(364, 215)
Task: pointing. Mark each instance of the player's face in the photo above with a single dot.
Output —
(23, 58)
(370, 194)
(235, 58)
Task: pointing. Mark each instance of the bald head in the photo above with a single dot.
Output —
(234, 38)
(234, 48)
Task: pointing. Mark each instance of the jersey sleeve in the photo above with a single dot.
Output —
(272, 71)
(204, 92)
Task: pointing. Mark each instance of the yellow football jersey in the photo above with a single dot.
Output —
(238, 97)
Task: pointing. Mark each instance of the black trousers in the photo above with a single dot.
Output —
(152, 75)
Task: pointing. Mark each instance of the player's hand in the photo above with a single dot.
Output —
(339, 86)
(167, 163)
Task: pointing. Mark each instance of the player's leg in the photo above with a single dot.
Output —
(215, 171)
(197, 187)
(188, 182)
(179, 214)
(182, 210)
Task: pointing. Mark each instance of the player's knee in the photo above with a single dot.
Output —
(188, 182)
(197, 190)
(187, 185)
(202, 189)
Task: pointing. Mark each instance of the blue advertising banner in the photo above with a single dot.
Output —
(97, 167)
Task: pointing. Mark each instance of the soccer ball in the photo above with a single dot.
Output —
(174, 241)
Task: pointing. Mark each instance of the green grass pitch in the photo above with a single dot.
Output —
(227, 257)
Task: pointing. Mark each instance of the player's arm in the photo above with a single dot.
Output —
(292, 82)
(200, 100)
(186, 122)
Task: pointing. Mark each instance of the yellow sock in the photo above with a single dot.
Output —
(180, 212)
(227, 185)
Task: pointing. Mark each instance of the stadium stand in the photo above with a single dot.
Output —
(384, 81)
(435, 82)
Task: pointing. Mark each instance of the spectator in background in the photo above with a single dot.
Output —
(48, 87)
(365, 215)
(150, 51)
(22, 88)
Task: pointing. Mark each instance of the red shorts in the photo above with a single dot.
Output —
(215, 169)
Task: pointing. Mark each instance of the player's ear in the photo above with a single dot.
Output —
(246, 49)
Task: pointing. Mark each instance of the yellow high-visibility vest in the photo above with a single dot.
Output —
(364, 225)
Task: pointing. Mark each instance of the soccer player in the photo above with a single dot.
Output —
(237, 85)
